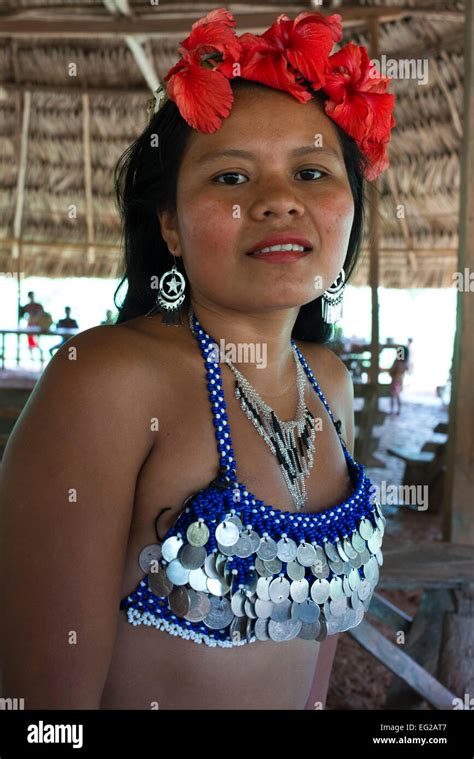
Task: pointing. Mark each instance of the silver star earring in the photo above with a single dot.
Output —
(171, 296)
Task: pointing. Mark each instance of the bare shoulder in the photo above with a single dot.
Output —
(121, 342)
(150, 335)
(137, 351)
(104, 373)
(104, 345)
(104, 357)
(326, 365)
(101, 375)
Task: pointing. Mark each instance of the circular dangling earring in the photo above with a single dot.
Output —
(332, 300)
(170, 296)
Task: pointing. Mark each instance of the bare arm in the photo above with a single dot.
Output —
(67, 485)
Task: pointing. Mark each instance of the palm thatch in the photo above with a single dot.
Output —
(61, 134)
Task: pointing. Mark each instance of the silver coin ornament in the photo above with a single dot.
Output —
(228, 581)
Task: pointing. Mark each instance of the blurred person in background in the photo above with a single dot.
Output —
(109, 317)
(397, 372)
(33, 311)
(65, 323)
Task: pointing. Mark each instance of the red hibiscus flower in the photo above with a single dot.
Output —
(203, 95)
(214, 34)
(199, 81)
(359, 103)
(290, 50)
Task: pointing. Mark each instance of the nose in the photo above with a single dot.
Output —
(277, 199)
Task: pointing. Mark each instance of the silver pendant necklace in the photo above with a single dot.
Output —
(292, 442)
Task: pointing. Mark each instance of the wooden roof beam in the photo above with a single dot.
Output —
(169, 23)
(21, 177)
(143, 61)
(86, 141)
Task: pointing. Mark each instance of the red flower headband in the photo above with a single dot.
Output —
(293, 56)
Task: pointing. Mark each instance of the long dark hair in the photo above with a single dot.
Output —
(145, 181)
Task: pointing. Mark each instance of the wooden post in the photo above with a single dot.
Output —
(456, 662)
(374, 221)
(423, 644)
(16, 251)
(458, 514)
(20, 260)
(456, 665)
(86, 143)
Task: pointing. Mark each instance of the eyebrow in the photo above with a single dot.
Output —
(235, 153)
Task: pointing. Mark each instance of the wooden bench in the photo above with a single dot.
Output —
(366, 443)
(379, 417)
(425, 467)
(411, 456)
(435, 663)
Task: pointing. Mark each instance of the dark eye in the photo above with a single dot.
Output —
(229, 174)
(316, 171)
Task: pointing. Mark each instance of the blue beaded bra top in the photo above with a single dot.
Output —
(234, 570)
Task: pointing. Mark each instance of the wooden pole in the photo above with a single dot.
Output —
(86, 143)
(365, 442)
(456, 665)
(374, 221)
(16, 251)
(458, 512)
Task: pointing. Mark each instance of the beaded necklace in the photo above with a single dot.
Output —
(291, 442)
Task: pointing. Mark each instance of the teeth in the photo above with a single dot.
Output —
(290, 246)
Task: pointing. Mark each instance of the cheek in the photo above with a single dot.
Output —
(207, 232)
(207, 226)
(335, 217)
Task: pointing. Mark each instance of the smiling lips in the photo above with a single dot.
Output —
(281, 249)
(281, 256)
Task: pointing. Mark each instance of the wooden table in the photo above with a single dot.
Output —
(359, 359)
(60, 331)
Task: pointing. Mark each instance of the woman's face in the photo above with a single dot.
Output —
(228, 203)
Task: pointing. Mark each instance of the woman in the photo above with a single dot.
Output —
(115, 473)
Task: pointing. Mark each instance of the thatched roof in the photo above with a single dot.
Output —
(61, 135)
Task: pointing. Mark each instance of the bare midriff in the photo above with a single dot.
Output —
(152, 669)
